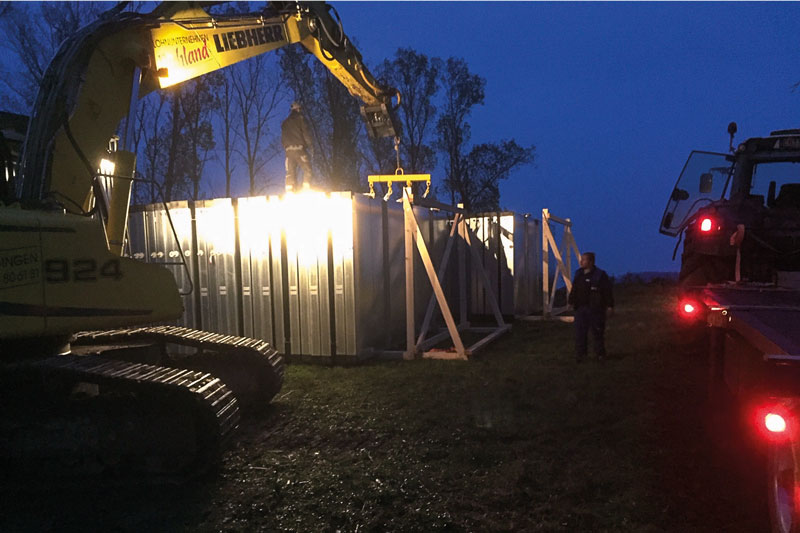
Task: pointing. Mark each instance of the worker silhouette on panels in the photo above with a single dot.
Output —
(298, 147)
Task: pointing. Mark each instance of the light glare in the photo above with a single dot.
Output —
(705, 224)
(775, 423)
(106, 167)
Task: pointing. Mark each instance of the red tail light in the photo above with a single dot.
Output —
(775, 423)
(689, 309)
(706, 225)
(774, 420)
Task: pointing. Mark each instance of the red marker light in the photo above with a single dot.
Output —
(689, 309)
(705, 224)
(775, 420)
(775, 423)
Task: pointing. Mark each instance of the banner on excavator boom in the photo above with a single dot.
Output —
(182, 53)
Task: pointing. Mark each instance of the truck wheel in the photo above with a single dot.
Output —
(784, 475)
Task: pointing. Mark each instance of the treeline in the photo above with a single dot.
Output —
(228, 121)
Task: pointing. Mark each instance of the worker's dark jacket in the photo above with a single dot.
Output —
(592, 289)
(294, 131)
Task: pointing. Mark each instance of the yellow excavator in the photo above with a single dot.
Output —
(85, 382)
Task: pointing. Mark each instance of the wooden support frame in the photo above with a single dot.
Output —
(563, 257)
(414, 238)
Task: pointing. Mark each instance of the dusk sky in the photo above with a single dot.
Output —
(613, 95)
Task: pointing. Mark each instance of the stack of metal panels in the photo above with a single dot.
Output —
(510, 248)
(323, 275)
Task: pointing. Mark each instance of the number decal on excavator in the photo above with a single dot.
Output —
(59, 270)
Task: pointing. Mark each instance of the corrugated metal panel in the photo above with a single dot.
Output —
(480, 226)
(509, 254)
(422, 286)
(506, 229)
(370, 282)
(279, 283)
(311, 220)
(313, 269)
(216, 245)
(345, 212)
(161, 247)
(396, 275)
(255, 216)
(136, 238)
(441, 225)
(532, 272)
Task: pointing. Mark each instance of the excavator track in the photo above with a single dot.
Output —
(251, 368)
(71, 417)
(102, 413)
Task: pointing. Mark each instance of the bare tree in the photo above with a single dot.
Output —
(227, 114)
(257, 97)
(197, 106)
(33, 31)
(341, 163)
(150, 146)
(472, 178)
(174, 178)
(415, 75)
(487, 164)
(462, 91)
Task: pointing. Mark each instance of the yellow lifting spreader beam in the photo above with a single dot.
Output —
(397, 176)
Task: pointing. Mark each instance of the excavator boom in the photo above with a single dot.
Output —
(98, 75)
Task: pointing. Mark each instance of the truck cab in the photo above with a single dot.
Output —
(738, 213)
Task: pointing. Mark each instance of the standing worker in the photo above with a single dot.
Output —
(297, 144)
(592, 297)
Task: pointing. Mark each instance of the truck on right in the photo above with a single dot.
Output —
(738, 217)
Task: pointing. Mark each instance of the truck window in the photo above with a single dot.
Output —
(703, 180)
(782, 173)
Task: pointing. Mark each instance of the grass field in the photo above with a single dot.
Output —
(518, 439)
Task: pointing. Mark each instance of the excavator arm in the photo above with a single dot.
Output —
(193, 44)
(98, 75)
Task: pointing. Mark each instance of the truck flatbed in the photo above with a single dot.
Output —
(766, 315)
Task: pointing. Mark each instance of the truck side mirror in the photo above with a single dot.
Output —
(679, 195)
(706, 182)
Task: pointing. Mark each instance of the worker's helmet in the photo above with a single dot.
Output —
(295, 106)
